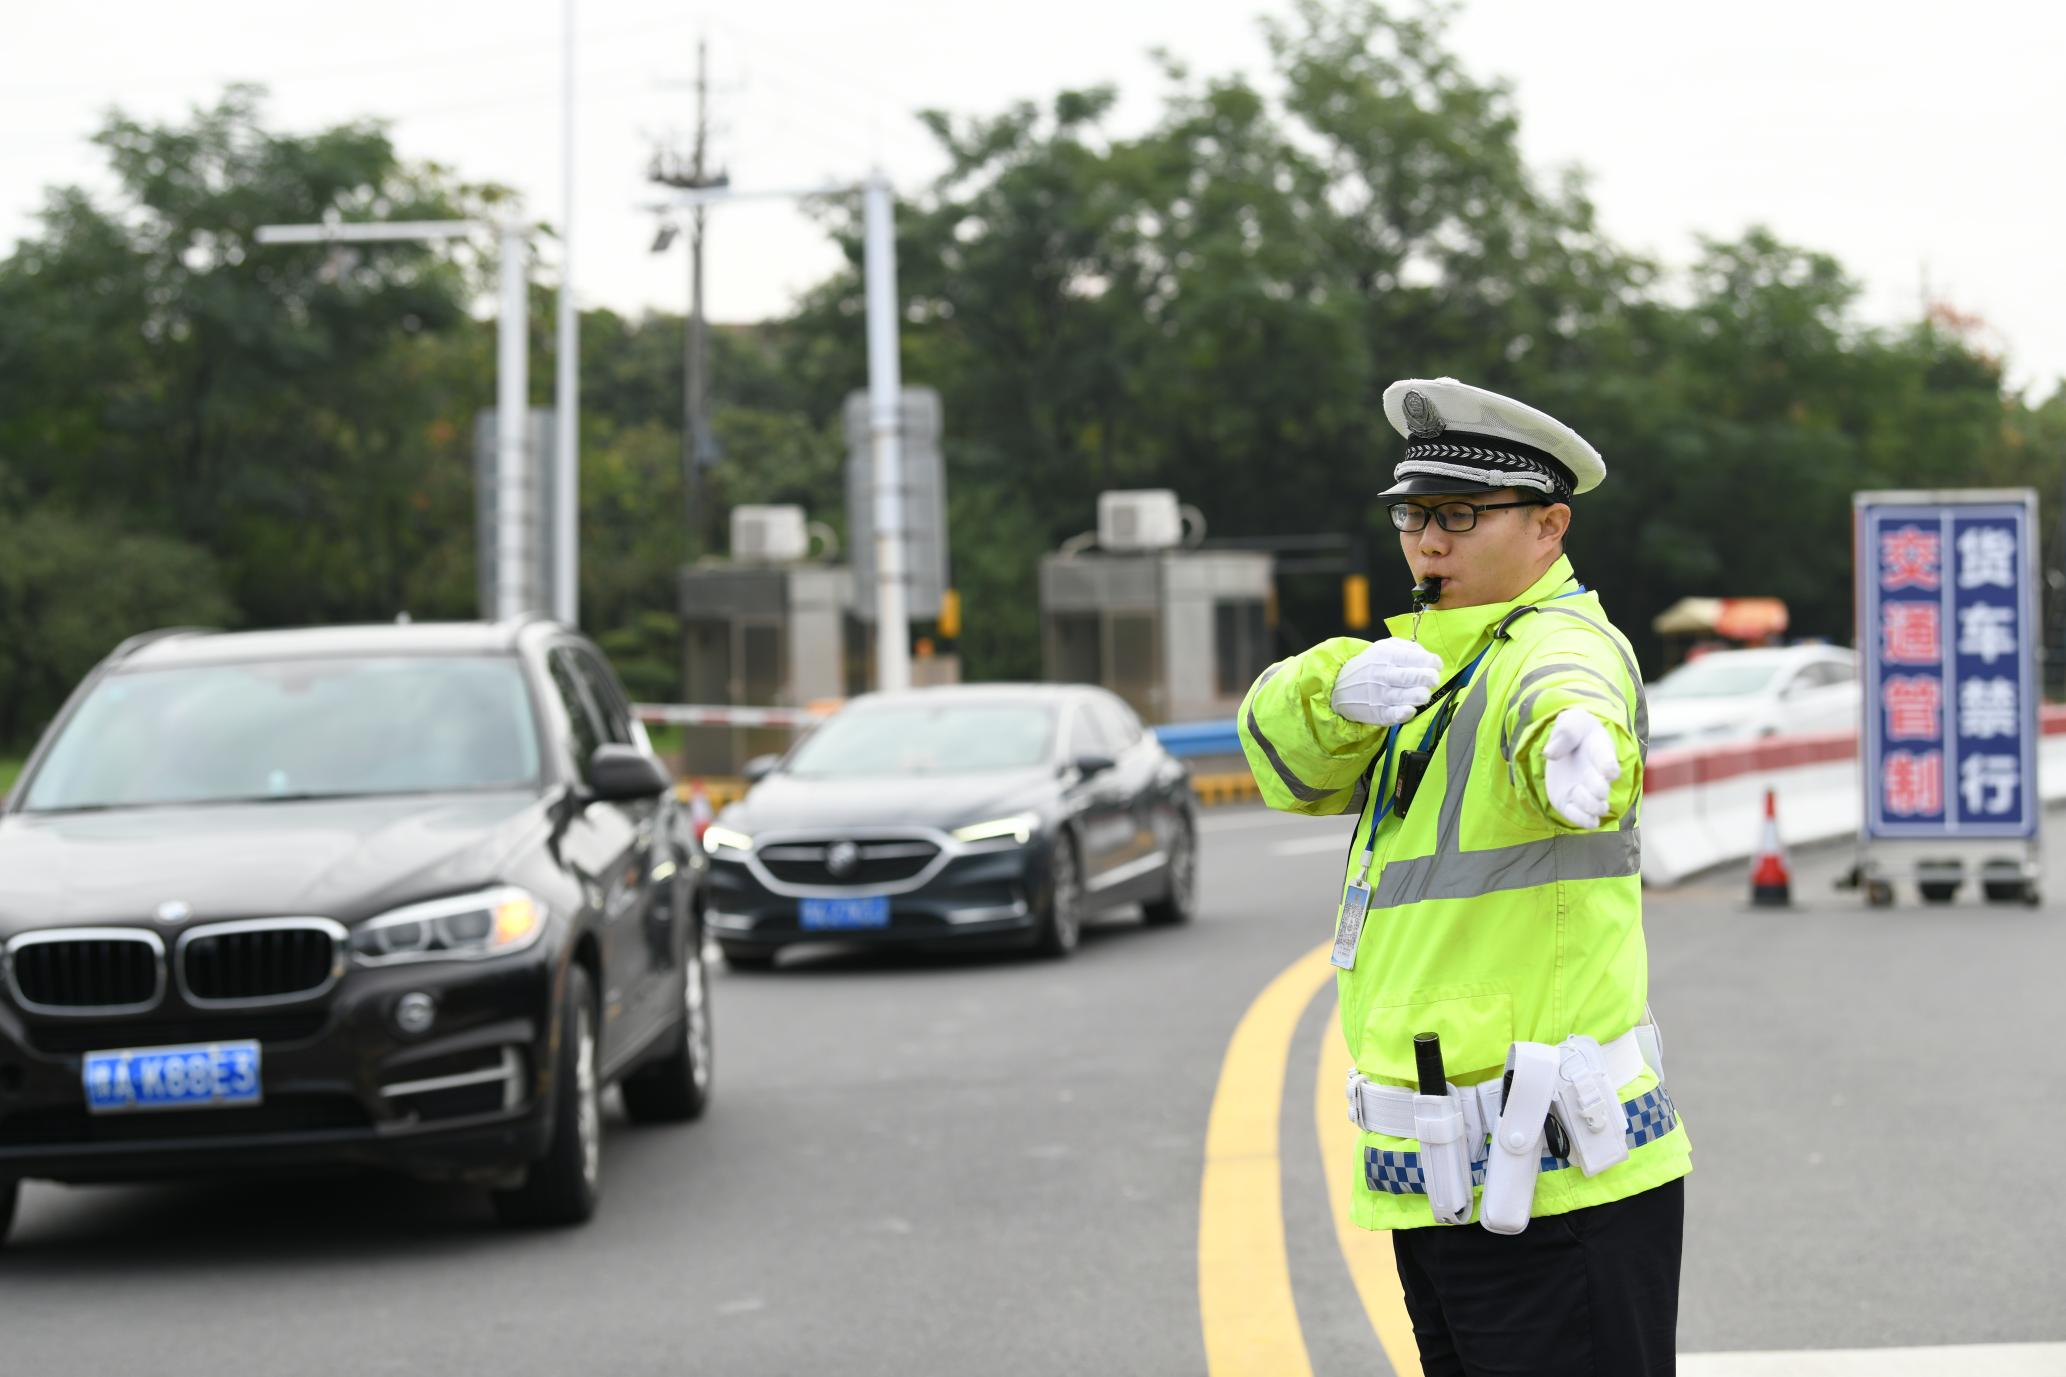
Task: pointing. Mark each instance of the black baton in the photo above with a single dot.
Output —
(1427, 1059)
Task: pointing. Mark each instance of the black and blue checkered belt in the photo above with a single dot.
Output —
(1651, 1115)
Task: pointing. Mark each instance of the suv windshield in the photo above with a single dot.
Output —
(1717, 677)
(293, 729)
(959, 738)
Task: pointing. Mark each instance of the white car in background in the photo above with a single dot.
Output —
(1741, 695)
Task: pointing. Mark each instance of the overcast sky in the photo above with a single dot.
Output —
(1919, 143)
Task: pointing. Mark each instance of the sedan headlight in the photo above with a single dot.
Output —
(717, 838)
(1019, 827)
(465, 927)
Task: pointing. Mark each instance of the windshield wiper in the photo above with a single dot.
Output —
(307, 797)
(84, 808)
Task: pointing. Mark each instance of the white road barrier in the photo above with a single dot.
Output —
(1703, 806)
(718, 715)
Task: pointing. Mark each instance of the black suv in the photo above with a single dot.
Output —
(407, 896)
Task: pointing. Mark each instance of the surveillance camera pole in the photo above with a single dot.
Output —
(885, 408)
(512, 383)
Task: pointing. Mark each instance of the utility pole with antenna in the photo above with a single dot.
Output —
(699, 444)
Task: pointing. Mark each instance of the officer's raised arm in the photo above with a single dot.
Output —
(1573, 735)
(1311, 724)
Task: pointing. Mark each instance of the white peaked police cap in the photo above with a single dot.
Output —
(1460, 438)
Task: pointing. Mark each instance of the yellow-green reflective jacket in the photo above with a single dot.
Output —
(1491, 918)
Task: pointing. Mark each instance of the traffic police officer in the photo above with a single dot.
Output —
(1489, 944)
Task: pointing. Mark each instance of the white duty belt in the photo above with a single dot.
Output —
(1494, 1131)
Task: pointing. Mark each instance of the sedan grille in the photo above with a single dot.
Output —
(98, 971)
(842, 863)
(258, 963)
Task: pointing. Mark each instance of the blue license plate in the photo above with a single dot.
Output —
(201, 1077)
(846, 915)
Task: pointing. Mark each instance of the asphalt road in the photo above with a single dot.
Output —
(991, 1164)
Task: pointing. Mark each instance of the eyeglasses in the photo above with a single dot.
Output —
(1454, 517)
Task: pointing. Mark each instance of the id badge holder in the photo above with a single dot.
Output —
(1355, 900)
(1355, 906)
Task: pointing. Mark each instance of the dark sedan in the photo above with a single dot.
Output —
(1009, 813)
(404, 896)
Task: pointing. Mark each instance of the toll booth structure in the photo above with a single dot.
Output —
(760, 635)
(1180, 634)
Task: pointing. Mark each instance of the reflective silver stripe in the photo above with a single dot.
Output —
(1298, 787)
(1635, 676)
(1470, 874)
(1541, 672)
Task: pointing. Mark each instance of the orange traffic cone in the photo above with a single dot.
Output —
(700, 811)
(1771, 883)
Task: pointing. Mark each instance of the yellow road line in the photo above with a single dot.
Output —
(1244, 1280)
(1368, 1254)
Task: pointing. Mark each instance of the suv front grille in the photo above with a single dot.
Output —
(97, 970)
(877, 862)
(259, 961)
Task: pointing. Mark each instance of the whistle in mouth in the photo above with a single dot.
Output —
(1426, 594)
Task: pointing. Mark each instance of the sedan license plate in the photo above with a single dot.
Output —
(845, 915)
(211, 1075)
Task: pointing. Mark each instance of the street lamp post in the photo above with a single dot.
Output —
(885, 409)
(512, 382)
(566, 561)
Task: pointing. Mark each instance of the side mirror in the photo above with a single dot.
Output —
(759, 768)
(1089, 766)
(618, 773)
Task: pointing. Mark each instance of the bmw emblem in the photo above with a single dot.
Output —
(842, 859)
(174, 911)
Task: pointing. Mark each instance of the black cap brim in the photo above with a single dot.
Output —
(1429, 485)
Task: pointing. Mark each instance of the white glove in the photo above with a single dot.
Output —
(1387, 684)
(1580, 768)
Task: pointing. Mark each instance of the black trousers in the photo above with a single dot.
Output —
(1592, 1293)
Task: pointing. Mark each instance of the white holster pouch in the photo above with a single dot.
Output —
(1517, 1137)
(1445, 1156)
(1589, 1106)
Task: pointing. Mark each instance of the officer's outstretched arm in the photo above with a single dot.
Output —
(1306, 757)
(1545, 754)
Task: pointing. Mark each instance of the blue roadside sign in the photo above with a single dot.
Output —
(1947, 642)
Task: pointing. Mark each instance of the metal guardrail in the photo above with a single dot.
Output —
(1185, 739)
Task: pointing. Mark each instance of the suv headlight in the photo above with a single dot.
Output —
(465, 927)
(1019, 827)
(717, 838)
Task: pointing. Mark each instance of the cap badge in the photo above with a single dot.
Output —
(1421, 417)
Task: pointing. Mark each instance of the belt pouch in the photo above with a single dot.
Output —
(1516, 1151)
(1445, 1158)
(1589, 1105)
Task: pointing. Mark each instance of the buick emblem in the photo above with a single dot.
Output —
(175, 911)
(842, 859)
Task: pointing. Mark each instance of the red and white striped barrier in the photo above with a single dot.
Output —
(1704, 805)
(698, 715)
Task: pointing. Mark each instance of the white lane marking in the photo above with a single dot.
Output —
(1307, 846)
(1121, 874)
(1996, 1360)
